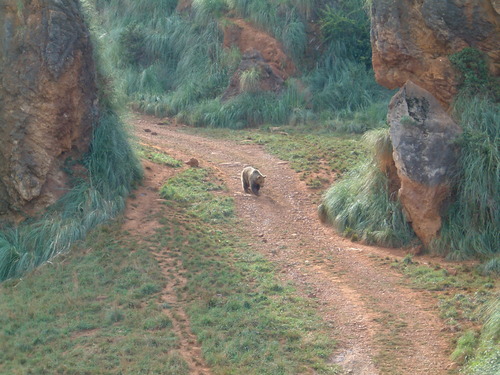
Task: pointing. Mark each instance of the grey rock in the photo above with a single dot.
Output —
(423, 136)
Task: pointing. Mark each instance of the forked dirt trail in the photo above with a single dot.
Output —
(382, 326)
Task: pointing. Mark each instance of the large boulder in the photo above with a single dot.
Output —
(412, 40)
(425, 152)
(48, 99)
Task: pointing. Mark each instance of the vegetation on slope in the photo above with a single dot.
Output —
(471, 225)
(173, 63)
(112, 171)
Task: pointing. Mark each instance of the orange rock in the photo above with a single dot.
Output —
(411, 40)
(423, 137)
(48, 99)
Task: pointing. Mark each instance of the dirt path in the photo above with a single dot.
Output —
(382, 326)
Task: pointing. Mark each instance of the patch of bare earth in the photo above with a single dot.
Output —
(141, 221)
(381, 325)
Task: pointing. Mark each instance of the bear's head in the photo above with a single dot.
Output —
(259, 178)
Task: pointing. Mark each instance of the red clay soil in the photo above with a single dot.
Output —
(246, 37)
(382, 326)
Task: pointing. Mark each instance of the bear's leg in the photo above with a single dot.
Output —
(246, 185)
(255, 188)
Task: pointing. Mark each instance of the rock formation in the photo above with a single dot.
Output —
(411, 40)
(267, 79)
(425, 153)
(245, 37)
(47, 99)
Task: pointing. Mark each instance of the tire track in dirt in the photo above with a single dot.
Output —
(382, 327)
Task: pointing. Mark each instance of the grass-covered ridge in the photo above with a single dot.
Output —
(170, 62)
(92, 311)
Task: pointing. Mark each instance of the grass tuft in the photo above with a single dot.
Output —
(360, 207)
(249, 80)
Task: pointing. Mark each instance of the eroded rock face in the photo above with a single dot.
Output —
(247, 38)
(411, 40)
(47, 99)
(268, 80)
(424, 138)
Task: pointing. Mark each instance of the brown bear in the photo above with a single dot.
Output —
(252, 180)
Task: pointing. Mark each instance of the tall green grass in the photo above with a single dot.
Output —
(249, 108)
(471, 226)
(341, 84)
(360, 207)
(113, 169)
(486, 359)
(167, 63)
(348, 22)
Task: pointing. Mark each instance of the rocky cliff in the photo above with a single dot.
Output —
(411, 40)
(47, 99)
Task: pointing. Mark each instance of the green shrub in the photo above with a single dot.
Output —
(349, 23)
(476, 78)
(132, 44)
(294, 38)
